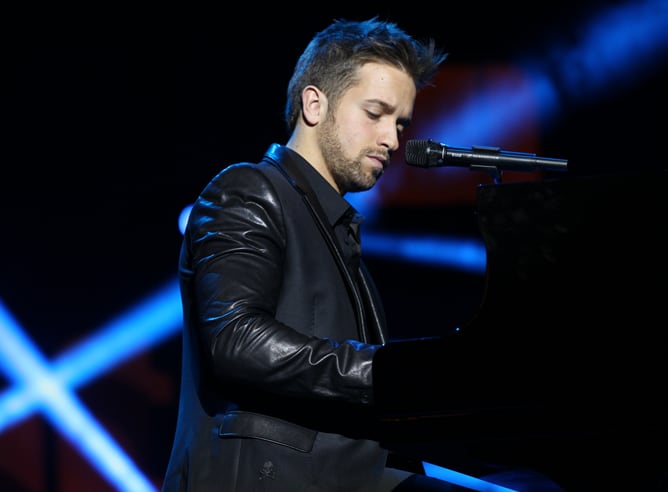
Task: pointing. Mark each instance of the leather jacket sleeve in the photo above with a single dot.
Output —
(232, 271)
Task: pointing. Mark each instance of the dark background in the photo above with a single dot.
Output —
(114, 120)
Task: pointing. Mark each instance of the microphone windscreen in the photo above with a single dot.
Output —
(416, 153)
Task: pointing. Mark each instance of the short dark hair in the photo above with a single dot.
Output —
(332, 58)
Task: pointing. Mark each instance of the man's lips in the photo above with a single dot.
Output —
(380, 159)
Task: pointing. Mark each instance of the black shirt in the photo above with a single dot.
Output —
(342, 216)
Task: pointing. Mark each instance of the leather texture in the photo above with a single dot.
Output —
(275, 385)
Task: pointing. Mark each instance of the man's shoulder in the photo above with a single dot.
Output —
(247, 171)
(267, 165)
(247, 177)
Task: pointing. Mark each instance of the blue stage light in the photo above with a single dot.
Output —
(462, 479)
(466, 254)
(40, 389)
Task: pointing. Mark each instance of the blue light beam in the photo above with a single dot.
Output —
(458, 478)
(615, 48)
(157, 318)
(38, 389)
(459, 253)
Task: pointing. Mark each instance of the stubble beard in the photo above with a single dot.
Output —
(348, 174)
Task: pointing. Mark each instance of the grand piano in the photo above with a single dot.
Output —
(563, 367)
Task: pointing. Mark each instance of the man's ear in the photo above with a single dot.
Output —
(314, 105)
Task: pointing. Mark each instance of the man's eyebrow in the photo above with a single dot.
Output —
(388, 108)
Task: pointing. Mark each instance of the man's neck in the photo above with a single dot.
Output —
(306, 146)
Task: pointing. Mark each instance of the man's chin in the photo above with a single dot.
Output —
(371, 182)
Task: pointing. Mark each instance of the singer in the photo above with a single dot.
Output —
(282, 322)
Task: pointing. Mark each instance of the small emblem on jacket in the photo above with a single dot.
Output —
(267, 470)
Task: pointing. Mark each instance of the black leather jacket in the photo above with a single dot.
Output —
(278, 340)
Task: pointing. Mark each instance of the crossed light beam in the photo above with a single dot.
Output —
(49, 387)
(638, 32)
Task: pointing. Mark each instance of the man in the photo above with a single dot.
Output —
(282, 321)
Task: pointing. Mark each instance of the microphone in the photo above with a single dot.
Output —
(428, 153)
